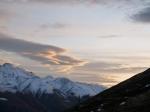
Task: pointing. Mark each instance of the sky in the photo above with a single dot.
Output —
(94, 41)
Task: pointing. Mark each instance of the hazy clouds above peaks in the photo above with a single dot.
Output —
(63, 35)
(46, 54)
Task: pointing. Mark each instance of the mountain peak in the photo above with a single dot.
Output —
(13, 78)
(9, 65)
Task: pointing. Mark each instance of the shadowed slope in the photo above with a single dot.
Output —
(132, 95)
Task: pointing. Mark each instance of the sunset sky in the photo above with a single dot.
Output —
(94, 41)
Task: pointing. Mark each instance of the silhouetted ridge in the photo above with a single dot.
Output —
(132, 95)
(146, 72)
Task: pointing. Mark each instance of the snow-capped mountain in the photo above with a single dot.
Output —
(14, 79)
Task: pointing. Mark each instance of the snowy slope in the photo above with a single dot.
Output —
(14, 79)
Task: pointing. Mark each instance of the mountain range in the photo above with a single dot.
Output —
(23, 91)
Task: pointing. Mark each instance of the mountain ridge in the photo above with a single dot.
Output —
(14, 79)
(20, 87)
(131, 95)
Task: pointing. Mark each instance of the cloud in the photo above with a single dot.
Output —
(57, 25)
(142, 16)
(104, 2)
(1, 61)
(106, 73)
(102, 65)
(5, 15)
(45, 54)
(123, 70)
(112, 67)
(108, 36)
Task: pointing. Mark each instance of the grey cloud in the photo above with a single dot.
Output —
(104, 2)
(57, 25)
(109, 67)
(5, 14)
(142, 16)
(46, 54)
(106, 73)
(102, 65)
(17, 45)
(108, 36)
(128, 69)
